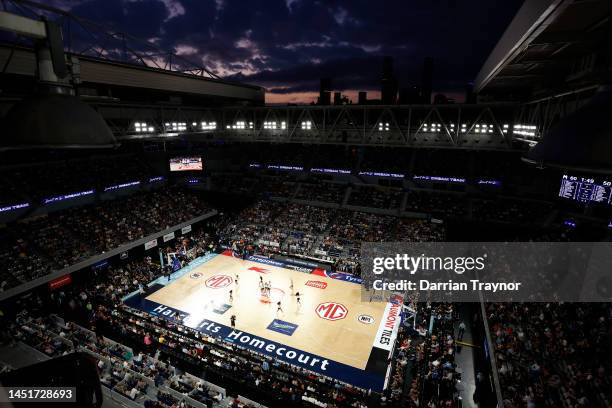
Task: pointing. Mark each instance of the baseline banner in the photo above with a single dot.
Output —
(308, 361)
(388, 328)
(169, 236)
(186, 229)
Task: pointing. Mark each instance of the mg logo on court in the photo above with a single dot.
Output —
(218, 281)
(331, 311)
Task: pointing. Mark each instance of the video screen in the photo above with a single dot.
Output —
(185, 163)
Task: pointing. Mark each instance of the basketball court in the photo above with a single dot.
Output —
(330, 330)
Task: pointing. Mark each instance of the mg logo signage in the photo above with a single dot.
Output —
(218, 281)
(331, 311)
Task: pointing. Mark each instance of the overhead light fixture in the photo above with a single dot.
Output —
(53, 118)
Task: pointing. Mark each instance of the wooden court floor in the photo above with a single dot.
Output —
(346, 339)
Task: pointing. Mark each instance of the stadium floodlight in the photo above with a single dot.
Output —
(140, 126)
(208, 125)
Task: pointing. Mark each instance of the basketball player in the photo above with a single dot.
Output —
(231, 296)
(279, 309)
(261, 282)
(236, 279)
(291, 286)
(298, 299)
(233, 321)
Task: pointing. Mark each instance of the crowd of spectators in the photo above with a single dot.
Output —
(235, 183)
(322, 191)
(552, 354)
(68, 175)
(332, 235)
(370, 196)
(21, 263)
(508, 210)
(441, 204)
(38, 245)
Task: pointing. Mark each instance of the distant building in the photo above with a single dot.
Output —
(362, 98)
(388, 89)
(427, 80)
(337, 98)
(409, 95)
(325, 91)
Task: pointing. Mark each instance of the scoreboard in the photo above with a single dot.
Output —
(586, 190)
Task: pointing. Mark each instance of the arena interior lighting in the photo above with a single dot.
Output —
(432, 128)
(383, 126)
(208, 125)
(176, 126)
(239, 125)
(143, 127)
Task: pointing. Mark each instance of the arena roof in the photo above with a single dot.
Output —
(21, 61)
(550, 46)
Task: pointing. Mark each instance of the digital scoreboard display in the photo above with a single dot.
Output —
(586, 190)
(185, 164)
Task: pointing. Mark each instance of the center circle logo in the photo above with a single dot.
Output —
(218, 281)
(195, 275)
(331, 311)
(365, 319)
